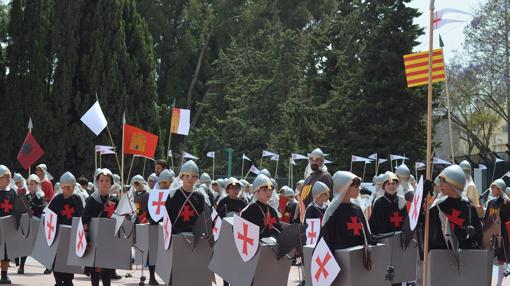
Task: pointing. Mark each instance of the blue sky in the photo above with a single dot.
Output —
(452, 34)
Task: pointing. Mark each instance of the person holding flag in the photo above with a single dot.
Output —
(66, 205)
(316, 171)
(100, 204)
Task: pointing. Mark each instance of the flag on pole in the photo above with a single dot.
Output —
(498, 160)
(292, 162)
(373, 156)
(417, 68)
(107, 152)
(30, 151)
(180, 121)
(380, 161)
(101, 148)
(94, 119)
(211, 154)
(267, 153)
(139, 142)
(296, 156)
(246, 158)
(419, 165)
(327, 162)
(189, 156)
(359, 159)
(482, 167)
(254, 170)
(398, 157)
(438, 161)
(439, 21)
(170, 153)
(275, 158)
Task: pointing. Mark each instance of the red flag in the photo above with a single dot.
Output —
(139, 142)
(30, 151)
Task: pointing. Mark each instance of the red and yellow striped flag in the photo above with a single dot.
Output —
(417, 68)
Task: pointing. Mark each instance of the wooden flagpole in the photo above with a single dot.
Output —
(429, 147)
(95, 158)
(170, 136)
(213, 161)
(144, 162)
(276, 170)
(130, 168)
(122, 154)
(30, 127)
(242, 166)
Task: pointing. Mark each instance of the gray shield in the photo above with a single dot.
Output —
(403, 261)
(146, 244)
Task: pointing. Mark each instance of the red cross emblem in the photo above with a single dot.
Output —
(396, 219)
(81, 236)
(50, 226)
(415, 204)
(322, 266)
(158, 204)
(109, 209)
(355, 226)
(454, 219)
(244, 237)
(67, 211)
(187, 213)
(312, 234)
(6, 206)
(269, 220)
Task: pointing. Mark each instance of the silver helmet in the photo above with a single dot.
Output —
(317, 153)
(67, 179)
(34, 178)
(138, 179)
(104, 172)
(18, 178)
(261, 181)
(189, 168)
(319, 188)
(266, 173)
(389, 176)
(233, 182)
(454, 175)
(4, 170)
(287, 192)
(166, 176)
(205, 179)
(464, 165)
(403, 171)
(341, 182)
(116, 179)
(500, 184)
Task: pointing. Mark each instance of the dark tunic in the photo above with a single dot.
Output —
(460, 214)
(35, 204)
(184, 209)
(288, 214)
(345, 227)
(386, 216)
(7, 199)
(66, 209)
(227, 205)
(104, 209)
(265, 217)
(141, 200)
(318, 175)
(498, 207)
(315, 211)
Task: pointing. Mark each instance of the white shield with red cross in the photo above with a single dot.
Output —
(323, 266)
(167, 229)
(312, 230)
(81, 240)
(414, 211)
(246, 237)
(156, 204)
(50, 226)
(217, 221)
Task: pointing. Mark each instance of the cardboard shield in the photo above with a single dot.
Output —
(403, 261)
(323, 266)
(246, 238)
(89, 255)
(80, 243)
(15, 242)
(475, 268)
(50, 226)
(156, 203)
(191, 268)
(313, 228)
(146, 248)
(262, 269)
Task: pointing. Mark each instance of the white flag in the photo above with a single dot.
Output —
(439, 21)
(373, 156)
(101, 148)
(267, 153)
(482, 167)
(438, 161)
(211, 154)
(275, 158)
(246, 158)
(419, 165)
(189, 156)
(398, 157)
(107, 152)
(254, 170)
(382, 161)
(296, 156)
(359, 159)
(327, 162)
(94, 119)
(170, 153)
(292, 162)
(507, 174)
(498, 160)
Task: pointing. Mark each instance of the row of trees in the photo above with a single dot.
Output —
(282, 75)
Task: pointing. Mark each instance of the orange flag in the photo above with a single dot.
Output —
(417, 68)
(139, 142)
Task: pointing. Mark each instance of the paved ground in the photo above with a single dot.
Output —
(33, 276)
